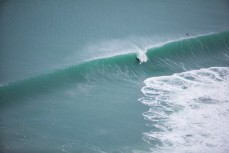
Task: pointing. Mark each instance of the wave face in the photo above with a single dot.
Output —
(93, 106)
(188, 111)
(180, 55)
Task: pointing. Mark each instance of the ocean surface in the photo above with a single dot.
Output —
(105, 76)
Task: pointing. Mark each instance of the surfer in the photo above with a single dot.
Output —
(138, 59)
(141, 57)
(187, 34)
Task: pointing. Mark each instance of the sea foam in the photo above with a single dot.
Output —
(188, 111)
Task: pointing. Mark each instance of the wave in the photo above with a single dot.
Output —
(176, 56)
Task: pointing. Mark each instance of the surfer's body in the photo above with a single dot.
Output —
(141, 57)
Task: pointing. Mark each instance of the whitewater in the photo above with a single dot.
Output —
(189, 109)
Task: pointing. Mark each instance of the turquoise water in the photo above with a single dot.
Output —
(70, 80)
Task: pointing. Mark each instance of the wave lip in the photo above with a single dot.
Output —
(188, 111)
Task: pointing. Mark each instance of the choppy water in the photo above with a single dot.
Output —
(71, 81)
